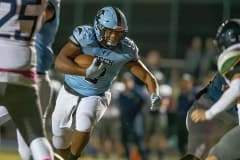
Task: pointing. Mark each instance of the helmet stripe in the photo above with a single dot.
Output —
(118, 14)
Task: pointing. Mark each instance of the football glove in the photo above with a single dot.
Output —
(155, 102)
(95, 69)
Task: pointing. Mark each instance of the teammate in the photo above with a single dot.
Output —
(202, 136)
(19, 22)
(84, 96)
(44, 40)
(228, 39)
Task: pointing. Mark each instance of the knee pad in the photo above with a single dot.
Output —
(61, 142)
(83, 123)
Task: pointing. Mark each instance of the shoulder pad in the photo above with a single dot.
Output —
(227, 60)
(130, 47)
(84, 35)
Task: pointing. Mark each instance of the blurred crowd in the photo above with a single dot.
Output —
(129, 129)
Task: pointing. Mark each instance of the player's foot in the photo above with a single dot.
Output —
(189, 157)
(212, 158)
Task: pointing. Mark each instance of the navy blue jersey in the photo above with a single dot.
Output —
(214, 90)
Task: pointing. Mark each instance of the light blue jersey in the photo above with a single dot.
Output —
(115, 59)
(45, 38)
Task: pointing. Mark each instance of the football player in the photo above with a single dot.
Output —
(19, 22)
(228, 38)
(84, 96)
(44, 40)
(202, 136)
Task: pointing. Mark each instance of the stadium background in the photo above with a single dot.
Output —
(164, 25)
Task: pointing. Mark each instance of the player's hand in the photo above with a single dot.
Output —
(155, 102)
(95, 69)
(198, 115)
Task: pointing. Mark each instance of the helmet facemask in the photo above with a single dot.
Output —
(111, 38)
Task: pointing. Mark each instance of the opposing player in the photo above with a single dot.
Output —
(19, 22)
(228, 39)
(202, 136)
(84, 96)
(44, 40)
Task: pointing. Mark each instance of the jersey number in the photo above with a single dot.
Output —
(95, 80)
(12, 12)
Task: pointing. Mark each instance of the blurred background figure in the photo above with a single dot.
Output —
(184, 102)
(153, 60)
(108, 129)
(155, 139)
(131, 102)
(193, 56)
(209, 59)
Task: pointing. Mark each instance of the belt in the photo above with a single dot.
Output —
(73, 92)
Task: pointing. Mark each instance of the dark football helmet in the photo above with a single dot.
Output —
(228, 34)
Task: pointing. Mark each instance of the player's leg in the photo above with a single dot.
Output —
(45, 93)
(202, 136)
(4, 116)
(89, 111)
(23, 107)
(227, 147)
(62, 120)
(23, 149)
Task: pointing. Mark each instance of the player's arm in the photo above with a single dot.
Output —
(138, 69)
(65, 60)
(228, 97)
(49, 13)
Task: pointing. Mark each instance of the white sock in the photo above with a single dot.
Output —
(41, 149)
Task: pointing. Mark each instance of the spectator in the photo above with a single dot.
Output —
(208, 60)
(153, 59)
(184, 101)
(131, 102)
(193, 56)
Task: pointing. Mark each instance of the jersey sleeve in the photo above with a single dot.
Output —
(82, 36)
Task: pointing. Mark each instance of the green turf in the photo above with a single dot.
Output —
(9, 156)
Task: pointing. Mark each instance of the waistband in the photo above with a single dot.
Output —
(73, 92)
